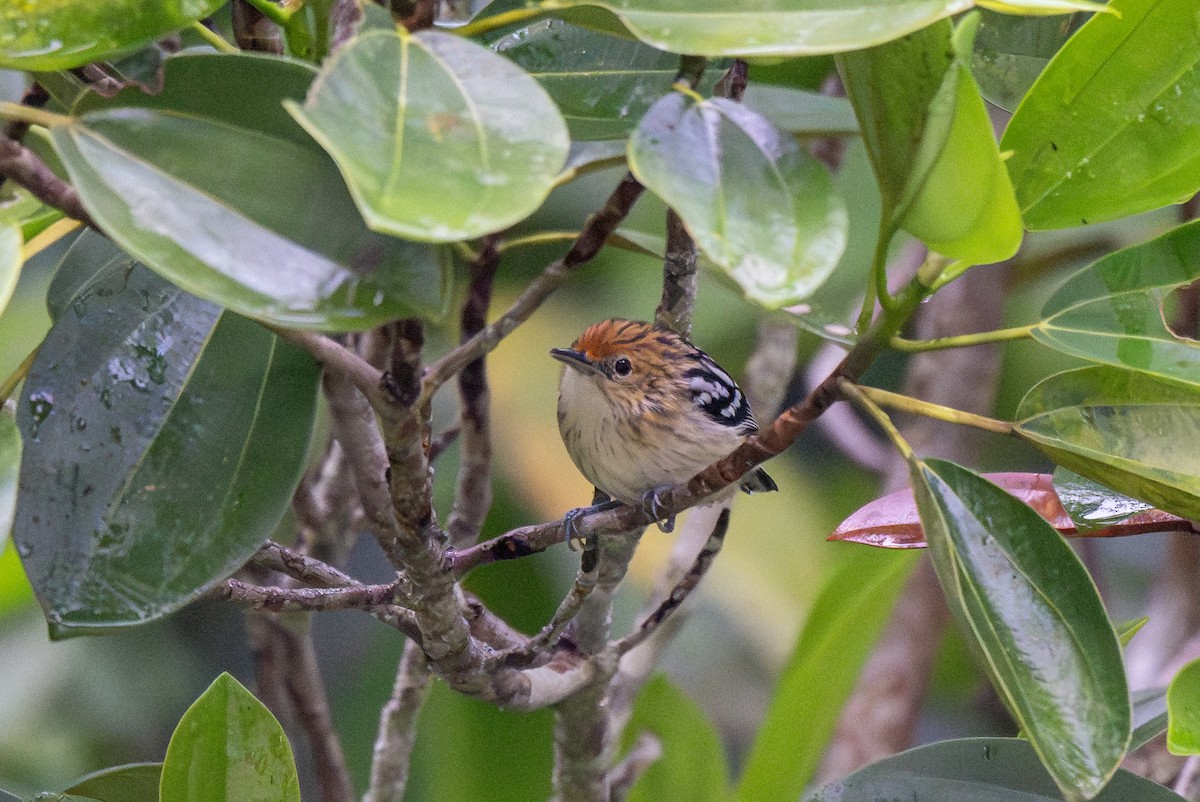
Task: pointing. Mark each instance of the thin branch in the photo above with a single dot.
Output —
(423, 15)
(442, 441)
(289, 600)
(547, 636)
(679, 278)
(929, 409)
(311, 703)
(473, 496)
(22, 166)
(398, 727)
(963, 340)
(595, 232)
(645, 752)
(334, 356)
(299, 566)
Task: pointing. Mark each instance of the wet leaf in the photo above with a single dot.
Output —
(1091, 505)
(229, 748)
(11, 260)
(1109, 128)
(602, 84)
(231, 200)
(891, 522)
(163, 440)
(1027, 604)
(1112, 310)
(454, 115)
(843, 625)
(137, 782)
(991, 769)
(692, 765)
(68, 33)
(1011, 51)
(1129, 431)
(764, 28)
(757, 205)
(10, 463)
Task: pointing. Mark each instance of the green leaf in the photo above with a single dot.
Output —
(163, 440)
(137, 782)
(1127, 629)
(757, 205)
(692, 765)
(11, 259)
(1090, 504)
(925, 134)
(62, 34)
(763, 28)
(1149, 716)
(1011, 51)
(845, 621)
(10, 463)
(230, 200)
(991, 769)
(802, 113)
(602, 84)
(1183, 711)
(1027, 604)
(1112, 311)
(1127, 430)
(438, 138)
(229, 748)
(1107, 130)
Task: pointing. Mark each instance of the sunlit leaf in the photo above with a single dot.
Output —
(991, 769)
(230, 200)
(1025, 601)
(1108, 129)
(844, 624)
(63, 34)
(764, 28)
(1127, 430)
(10, 463)
(757, 205)
(1112, 311)
(891, 522)
(1183, 711)
(163, 440)
(438, 138)
(692, 765)
(137, 782)
(229, 748)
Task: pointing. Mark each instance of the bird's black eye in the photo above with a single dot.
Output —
(622, 367)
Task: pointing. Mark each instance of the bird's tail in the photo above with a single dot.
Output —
(757, 481)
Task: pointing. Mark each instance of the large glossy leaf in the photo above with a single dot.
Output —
(10, 463)
(763, 28)
(692, 765)
(975, 769)
(844, 623)
(1183, 711)
(925, 126)
(1011, 51)
(230, 200)
(229, 748)
(137, 782)
(1091, 506)
(757, 205)
(10, 261)
(1028, 606)
(1128, 431)
(163, 440)
(439, 138)
(63, 34)
(802, 113)
(602, 84)
(1112, 311)
(1108, 129)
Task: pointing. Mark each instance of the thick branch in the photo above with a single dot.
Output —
(289, 600)
(398, 728)
(22, 166)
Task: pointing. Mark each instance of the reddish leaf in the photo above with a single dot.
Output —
(891, 522)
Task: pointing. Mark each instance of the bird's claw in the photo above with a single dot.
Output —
(570, 524)
(652, 508)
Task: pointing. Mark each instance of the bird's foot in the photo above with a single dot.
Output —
(654, 509)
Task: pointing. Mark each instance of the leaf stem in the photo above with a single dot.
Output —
(213, 38)
(28, 114)
(963, 340)
(877, 289)
(540, 238)
(492, 23)
(280, 15)
(18, 376)
(856, 395)
(932, 410)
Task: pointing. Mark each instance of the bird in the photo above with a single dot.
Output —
(641, 409)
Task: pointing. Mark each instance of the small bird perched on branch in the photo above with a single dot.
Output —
(641, 409)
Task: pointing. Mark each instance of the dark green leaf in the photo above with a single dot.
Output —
(1112, 310)
(602, 84)
(1149, 716)
(844, 623)
(1183, 711)
(473, 143)
(1108, 129)
(230, 200)
(974, 769)
(1012, 50)
(10, 463)
(1027, 604)
(1090, 504)
(229, 748)
(692, 765)
(1128, 431)
(163, 439)
(62, 34)
(137, 782)
(757, 205)
(5, 796)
